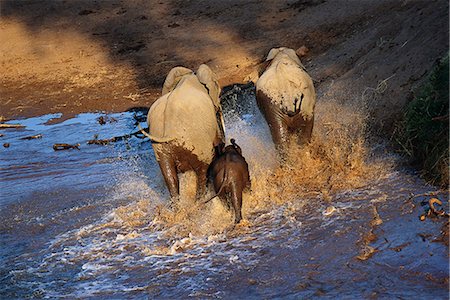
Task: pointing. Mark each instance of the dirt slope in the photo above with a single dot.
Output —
(77, 56)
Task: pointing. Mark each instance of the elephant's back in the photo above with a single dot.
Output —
(285, 81)
(187, 115)
(235, 167)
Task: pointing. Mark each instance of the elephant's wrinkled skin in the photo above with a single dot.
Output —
(185, 126)
(230, 177)
(286, 97)
(282, 124)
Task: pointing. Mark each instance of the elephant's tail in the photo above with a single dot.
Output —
(155, 138)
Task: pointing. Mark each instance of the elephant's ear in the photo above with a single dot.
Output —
(206, 76)
(173, 78)
(273, 52)
(292, 55)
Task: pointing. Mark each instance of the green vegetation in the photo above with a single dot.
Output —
(424, 131)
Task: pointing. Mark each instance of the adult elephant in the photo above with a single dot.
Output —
(185, 125)
(286, 97)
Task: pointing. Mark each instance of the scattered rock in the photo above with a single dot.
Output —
(101, 120)
(132, 48)
(300, 5)
(121, 11)
(100, 33)
(173, 25)
(302, 51)
(85, 12)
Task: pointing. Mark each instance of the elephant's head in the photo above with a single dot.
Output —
(173, 78)
(235, 147)
(207, 77)
(274, 53)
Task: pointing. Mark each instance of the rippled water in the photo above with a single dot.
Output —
(92, 223)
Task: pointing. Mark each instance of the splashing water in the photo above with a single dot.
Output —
(116, 238)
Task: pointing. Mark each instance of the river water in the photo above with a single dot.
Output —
(92, 223)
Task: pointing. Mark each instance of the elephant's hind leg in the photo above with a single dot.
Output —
(236, 201)
(305, 133)
(169, 172)
(201, 181)
(275, 119)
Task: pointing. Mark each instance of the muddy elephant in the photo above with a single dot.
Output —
(286, 97)
(185, 126)
(230, 176)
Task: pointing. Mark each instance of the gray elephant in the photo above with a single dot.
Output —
(286, 97)
(185, 125)
(230, 176)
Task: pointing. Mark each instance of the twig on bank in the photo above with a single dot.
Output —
(381, 88)
(103, 142)
(58, 147)
(428, 194)
(32, 137)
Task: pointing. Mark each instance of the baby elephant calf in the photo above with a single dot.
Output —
(230, 176)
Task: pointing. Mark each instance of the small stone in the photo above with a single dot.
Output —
(302, 51)
(85, 12)
(101, 120)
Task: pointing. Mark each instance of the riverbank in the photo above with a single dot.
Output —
(114, 55)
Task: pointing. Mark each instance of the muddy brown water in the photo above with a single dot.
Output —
(91, 223)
